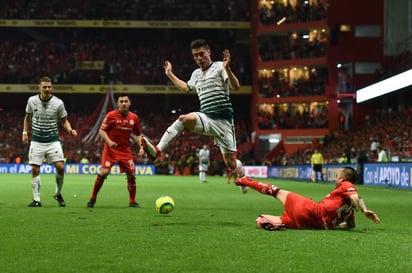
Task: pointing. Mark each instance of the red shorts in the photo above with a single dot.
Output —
(301, 212)
(123, 158)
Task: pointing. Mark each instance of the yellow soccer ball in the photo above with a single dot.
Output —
(165, 204)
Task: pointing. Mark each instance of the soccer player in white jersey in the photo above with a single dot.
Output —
(212, 81)
(44, 114)
(204, 160)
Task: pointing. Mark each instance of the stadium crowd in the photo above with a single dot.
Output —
(272, 12)
(286, 120)
(293, 46)
(216, 10)
(390, 128)
(275, 84)
(181, 155)
(126, 61)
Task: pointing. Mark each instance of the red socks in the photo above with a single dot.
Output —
(131, 187)
(98, 183)
(261, 187)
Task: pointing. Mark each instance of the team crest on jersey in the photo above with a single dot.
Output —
(107, 163)
(131, 122)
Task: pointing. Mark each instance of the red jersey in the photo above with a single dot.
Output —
(337, 207)
(119, 128)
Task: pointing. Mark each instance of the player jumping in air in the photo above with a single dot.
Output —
(212, 81)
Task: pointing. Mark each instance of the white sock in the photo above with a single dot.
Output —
(170, 135)
(59, 183)
(35, 185)
(239, 168)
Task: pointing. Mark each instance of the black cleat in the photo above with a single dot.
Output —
(59, 198)
(34, 204)
(134, 205)
(91, 203)
(271, 227)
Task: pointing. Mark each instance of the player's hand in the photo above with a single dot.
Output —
(372, 215)
(141, 151)
(25, 138)
(168, 67)
(226, 58)
(112, 144)
(73, 132)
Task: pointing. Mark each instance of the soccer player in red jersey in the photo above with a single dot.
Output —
(117, 128)
(336, 210)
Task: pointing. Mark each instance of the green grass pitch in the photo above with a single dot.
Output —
(212, 229)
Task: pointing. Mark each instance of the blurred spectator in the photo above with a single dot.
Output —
(382, 156)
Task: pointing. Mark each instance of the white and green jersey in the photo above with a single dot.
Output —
(212, 87)
(45, 118)
(204, 156)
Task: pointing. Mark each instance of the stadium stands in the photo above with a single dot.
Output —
(134, 60)
(220, 10)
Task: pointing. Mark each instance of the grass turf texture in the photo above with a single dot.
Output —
(212, 229)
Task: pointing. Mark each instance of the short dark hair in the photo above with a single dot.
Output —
(122, 95)
(199, 43)
(349, 174)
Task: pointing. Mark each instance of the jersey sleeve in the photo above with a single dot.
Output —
(191, 83)
(29, 108)
(348, 189)
(61, 112)
(223, 72)
(107, 122)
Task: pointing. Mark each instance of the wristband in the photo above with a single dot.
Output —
(24, 132)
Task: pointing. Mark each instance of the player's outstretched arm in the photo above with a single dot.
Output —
(233, 80)
(358, 202)
(174, 79)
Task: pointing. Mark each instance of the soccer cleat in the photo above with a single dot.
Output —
(34, 204)
(91, 203)
(151, 150)
(59, 198)
(243, 188)
(271, 227)
(134, 205)
(264, 223)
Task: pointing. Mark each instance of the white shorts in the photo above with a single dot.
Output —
(38, 151)
(203, 167)
(222, 130)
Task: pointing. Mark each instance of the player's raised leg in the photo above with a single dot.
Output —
(261, 187)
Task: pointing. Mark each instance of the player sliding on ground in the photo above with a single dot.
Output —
(211, 81)
(336, 210)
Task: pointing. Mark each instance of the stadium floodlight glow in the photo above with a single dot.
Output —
(389, 85)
